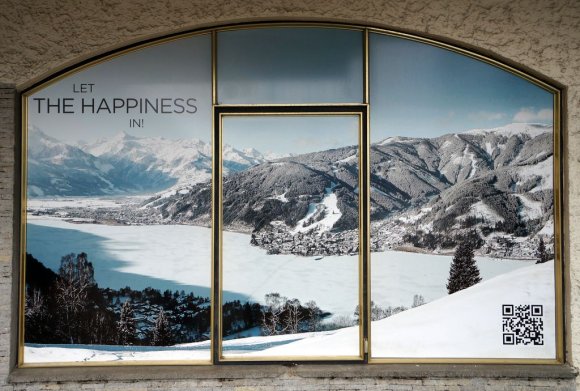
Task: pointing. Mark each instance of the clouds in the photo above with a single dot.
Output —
(487, 116)
(523, 115)
(528, 114)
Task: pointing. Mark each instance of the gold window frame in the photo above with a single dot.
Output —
(558, 178)
(360, 111)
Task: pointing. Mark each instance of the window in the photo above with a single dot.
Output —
(291, 193)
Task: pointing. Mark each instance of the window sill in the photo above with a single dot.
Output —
(231, 372)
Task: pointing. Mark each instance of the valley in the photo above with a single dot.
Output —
(493, 186)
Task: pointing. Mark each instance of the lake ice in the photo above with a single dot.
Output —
(179, 257)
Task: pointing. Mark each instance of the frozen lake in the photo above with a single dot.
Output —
(179, 257)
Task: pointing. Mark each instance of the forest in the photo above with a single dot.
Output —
(69, 307)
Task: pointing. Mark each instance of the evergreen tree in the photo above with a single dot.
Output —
(126, 328)
(464, 271)
(162, 330)
(542, 253)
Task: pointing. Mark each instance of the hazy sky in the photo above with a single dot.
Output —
(419, 90)
(416, 89)
(290, 134)
(179, 69)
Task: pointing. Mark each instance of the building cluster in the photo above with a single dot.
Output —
(279, 240)
(126, 215)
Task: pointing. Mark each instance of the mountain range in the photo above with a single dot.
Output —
(123, 164)
(485, 180)
(480, 181)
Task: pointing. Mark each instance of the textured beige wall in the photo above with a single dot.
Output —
(38, 37)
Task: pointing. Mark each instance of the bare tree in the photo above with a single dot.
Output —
(418, 300)
(293, 316)
(35, 314)
(272, 314)
(313, 315)
(377, 312)
(76, 278)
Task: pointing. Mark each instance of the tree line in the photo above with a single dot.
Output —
(68, 307)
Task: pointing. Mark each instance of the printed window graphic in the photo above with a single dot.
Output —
(347, 194)
(295, 218)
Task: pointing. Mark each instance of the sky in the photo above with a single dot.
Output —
(178, 69)
(417, 90)
(290, 134)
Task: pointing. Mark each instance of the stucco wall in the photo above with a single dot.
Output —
(38, 37)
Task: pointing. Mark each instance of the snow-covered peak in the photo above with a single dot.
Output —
(532, 130)
(38, 140)
(392, 139)
(251, 152)
(248, 156)
(123, 135)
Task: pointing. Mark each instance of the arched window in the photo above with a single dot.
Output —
(291, 192)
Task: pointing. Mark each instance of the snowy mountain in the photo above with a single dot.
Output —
(188, 161)
(419, 168)
(124, 164)
(495, 180)
(57, 168)
(286, 190)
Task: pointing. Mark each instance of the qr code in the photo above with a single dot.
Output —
(523, 324)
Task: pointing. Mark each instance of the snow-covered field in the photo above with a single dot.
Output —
(178, 257)
(397, 276)
(467, 324)
(35, 353)
(278, 345)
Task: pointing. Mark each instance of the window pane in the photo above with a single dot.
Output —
(291, 263)
(115, 270)
(290, 65)
(461, 207)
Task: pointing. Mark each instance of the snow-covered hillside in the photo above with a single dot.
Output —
(494, 183)
(57, 168)
(467, 324)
